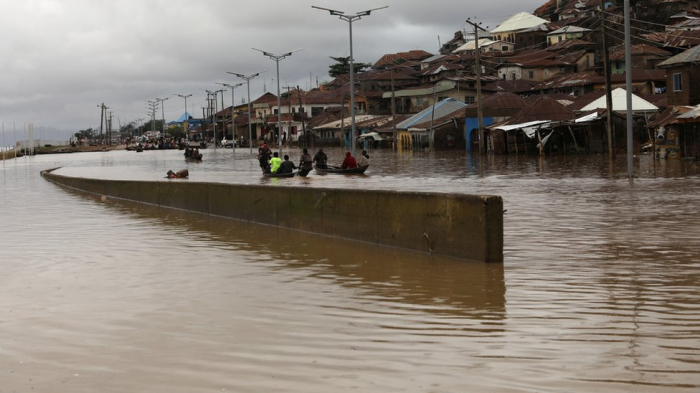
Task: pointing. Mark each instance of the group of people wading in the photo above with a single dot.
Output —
(271, 162)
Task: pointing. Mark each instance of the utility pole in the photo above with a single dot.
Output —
(109, 128)
(162, 108)
(431, 144)
(393, 112)
(289, 110)
(289, 97)
(479, 105)
(153, 105)
(608, 92)
(301, 118)
(204, 117)
(216, 110)
(102, 116)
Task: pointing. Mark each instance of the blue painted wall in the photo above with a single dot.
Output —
(471, 123)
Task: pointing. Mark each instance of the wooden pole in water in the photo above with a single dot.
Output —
(301, 116)
(539, 137)
(608, 94)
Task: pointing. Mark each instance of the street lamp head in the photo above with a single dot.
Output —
(294, 51)
(263, 52)
(333, 12)
(365, 13)
(246, 77)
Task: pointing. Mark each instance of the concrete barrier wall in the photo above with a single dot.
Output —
(463, 226)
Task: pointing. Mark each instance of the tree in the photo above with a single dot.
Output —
(87, 134)
(342, 67)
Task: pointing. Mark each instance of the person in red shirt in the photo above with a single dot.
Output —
(349, 162)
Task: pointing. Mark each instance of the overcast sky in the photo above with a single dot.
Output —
(61, 58)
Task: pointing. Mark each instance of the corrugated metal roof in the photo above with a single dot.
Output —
(618, 53)
(442, 108)
(670, 115)
(514, 86)
(519, 21)
(397, 58)
(691, 114)
(502, 100)
(543, 109)
(472, 44)
(675, 39)
(692, 55)
(420, 91)
(347, 120)
(569, 29)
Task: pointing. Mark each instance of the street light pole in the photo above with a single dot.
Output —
(250, 126)
(233, 104)
(628, 87)
(277, 59)
(351, 18)
(185, 124)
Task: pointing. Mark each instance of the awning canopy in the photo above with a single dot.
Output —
(370, 135)
(529, 128)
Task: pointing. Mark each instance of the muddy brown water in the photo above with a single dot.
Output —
(600, 289)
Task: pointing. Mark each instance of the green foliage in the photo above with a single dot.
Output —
(342, 67)
(176, 132)
(87, 133)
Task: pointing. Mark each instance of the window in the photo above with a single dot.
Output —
(531, 74)
(504, 48)
(677, 82)
(419, 101)
(468, 100)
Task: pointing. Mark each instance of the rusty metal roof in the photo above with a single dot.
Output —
(502, 100)
(544, 108)
(396, 58)
(513, 86)
(675, 39)
(618, 53)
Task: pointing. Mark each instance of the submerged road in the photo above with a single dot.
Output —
(599, 289)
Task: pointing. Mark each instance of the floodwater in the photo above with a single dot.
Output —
(600, 288)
